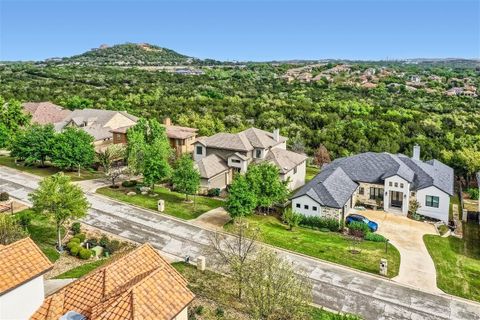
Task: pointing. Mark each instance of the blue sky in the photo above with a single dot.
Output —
(245, 30)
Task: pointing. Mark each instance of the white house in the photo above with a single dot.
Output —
(384, 180)
(22, 266)
(218, 157)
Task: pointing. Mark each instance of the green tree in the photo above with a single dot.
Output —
(186, 177)
(241, 200)
(12, 119)
(156, 167)
(73, 149)
(62, 200)
(10, 230)
(33, 144)
(291, 218)
(263, 179)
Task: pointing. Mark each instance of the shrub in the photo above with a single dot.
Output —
(291, 218)
(318, 223)
(442, 229)
(84, 253)
(4, 196)
(473, 193)
(92, 242)
(75, 250)
(81, 237)
(75, 239)
(104, 241)
(358, 229)
(219, 312)
(214, 192)
(113, 246)
(199, 310)
(72, 244)
(76, 227)
(129, 183)
(24, 218)
(370, 236)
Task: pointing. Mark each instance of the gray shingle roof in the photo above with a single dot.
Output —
(285, 160)
(261, 139)
(373, 167)
(331, 188)
(45, 112)
(211, 166)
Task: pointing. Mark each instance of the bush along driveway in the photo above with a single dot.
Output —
(175, 204)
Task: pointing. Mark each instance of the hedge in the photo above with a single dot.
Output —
(319, 223)
(375, 237)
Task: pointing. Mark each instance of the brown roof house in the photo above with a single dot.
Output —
(22, 266)
(219, 156)
(181, 138)
(45, 112)
(139, 285)
(98, 123)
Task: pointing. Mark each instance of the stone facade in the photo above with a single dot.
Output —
(331, 213)
(365, 197)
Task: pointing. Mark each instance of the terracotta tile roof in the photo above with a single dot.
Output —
(45, 112)
(20, 262)
(139, 285)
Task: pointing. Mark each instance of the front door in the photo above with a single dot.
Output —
(396, 199)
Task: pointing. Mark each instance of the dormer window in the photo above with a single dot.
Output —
(258, 153)
(199, 150)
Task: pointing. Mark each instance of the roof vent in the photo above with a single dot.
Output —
(276, 135)
(73, 315)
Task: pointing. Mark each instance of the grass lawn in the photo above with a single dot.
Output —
(48, 171)
(220, 290)
(43, 233)
(330, 246)
(175, 204)
(82, 270)
(457, 264)
(311, 173)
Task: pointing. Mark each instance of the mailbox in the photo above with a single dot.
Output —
(383, 267)
(161, 205)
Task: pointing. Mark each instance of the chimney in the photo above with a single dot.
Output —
(167, 121)
(416, 152)
(276, 135)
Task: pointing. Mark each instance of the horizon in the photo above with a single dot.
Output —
(247, 31)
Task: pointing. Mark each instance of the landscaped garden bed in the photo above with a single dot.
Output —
(175, 203)
(327, 245)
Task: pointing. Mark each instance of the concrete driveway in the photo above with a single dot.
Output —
(416, 265)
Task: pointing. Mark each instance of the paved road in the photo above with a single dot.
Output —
(334, 287)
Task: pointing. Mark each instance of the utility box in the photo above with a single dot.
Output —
(161, 205)
(383, 267)
(201, 263)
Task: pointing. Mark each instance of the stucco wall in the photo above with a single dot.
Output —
(119, 120)
(242, 164)
(398, 181)
(183, 315)
(296, 179)
(22, 302)
(440, 213)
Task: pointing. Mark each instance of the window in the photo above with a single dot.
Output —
(412, 193)
(235, 161)
(298, 205)
(396, 184)
(258, 153)
(305, 206)
(314, 208)
(376, 193)
(295, 170)
(390, 183)
(401, 185)
(361, 190)
(432, 201)
(199, 150)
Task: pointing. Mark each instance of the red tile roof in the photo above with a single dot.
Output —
(20, 262)
(140, 285)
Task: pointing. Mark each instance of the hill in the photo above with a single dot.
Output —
(128, 54)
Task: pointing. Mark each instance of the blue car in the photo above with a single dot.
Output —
(359, 218)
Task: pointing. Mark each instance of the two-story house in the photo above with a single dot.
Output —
(181, 138)
(218, 157)
(378, 179)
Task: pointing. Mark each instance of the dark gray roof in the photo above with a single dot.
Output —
(331, 188)
(334, 185)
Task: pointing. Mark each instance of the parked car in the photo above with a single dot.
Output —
(359, 218)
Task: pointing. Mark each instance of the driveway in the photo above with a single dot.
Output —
(416, 265)
(213, 219)
(335, 287)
